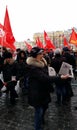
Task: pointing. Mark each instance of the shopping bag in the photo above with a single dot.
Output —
(17, 87)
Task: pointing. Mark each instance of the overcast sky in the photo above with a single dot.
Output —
(31, 16)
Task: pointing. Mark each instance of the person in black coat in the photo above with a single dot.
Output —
(70, 59)
(60, 87)
(39, 85)
(9, 70)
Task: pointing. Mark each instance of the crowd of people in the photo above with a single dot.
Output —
(31, 70)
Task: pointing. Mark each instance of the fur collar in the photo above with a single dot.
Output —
(34, 62)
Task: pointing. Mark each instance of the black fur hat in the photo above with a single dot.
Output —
(36, 51)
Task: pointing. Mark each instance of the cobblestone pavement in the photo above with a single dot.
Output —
(21, 115)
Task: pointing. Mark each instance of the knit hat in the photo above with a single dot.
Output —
(65, 49)
(57, 51)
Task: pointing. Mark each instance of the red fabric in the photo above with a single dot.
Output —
(7, 27)
(39, 43)
(3, 41)
(66, 43)
(73, 37)
(49, 44)
(29, 47)
(2, 33)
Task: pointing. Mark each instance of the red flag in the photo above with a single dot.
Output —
(73, 37)
(48, 42)
(2, 33)
(29, 47)
(3, 37)
(39, 43)
(3, 41)
(65, 42)
(7, 26)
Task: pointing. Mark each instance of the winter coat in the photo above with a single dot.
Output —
(39, 83)
(70, 59)
(57, 61)
(9, 70)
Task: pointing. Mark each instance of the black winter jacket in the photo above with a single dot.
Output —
(39, 84)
